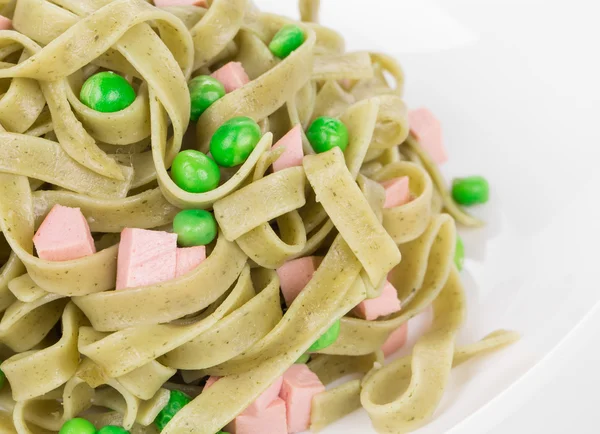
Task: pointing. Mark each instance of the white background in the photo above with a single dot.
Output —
(516, 84)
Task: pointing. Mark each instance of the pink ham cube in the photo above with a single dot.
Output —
(5, 23)
(211, 380)
(262, 402)
(397, 192)
(294, 275)
(232, 75)
(299, 387)
(271, 420)
(395, 340)
(386, 304)
(428, 131)
(64, 235)
(166, 3)
(293, 154)
(189, 258)
(145, 258)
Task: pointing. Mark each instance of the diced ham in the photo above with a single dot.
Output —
(262, 402)
(166, 3)
(271, 420)
(64, 235)
(232, 75)
(145, 258)
(428, 131)
(346, 83)
(397, 192)
(189, 258)
(294, 275)
(386, 304)
(266, 398)
(5, 23)
(211, 380)
(293, 154)
(299, 387)
(395, 340)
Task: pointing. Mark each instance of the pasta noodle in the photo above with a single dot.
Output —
(75, 344)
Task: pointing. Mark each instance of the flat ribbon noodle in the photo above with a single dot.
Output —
(151, 341)
(46, 160)
(81, 276)
(224, 17)
(307, 314)
(38, 372)
(233, 334)
(145, 381)
(279, 193)
(25, 289)
(146, 210)
(435, 175)
(347, 208)
(261, 97)
(167, 301)
(24, 325)
(269, 250)
(77, 397)
(215, 407)
(333, 404)
(431, 259)
(411, 395)
(124, 127)
(406, 222)
(353, 66)
(11, 269)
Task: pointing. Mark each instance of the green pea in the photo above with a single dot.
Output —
(234, 141)
(177, 400)
(286, 40)
(459, 253)
(107, 92)
(112, 429)
(471, 190)
(326, 133)
(327, 339)
(2, 378)
(303, 359)
(78, 426)
(194, 227)
(222, 432)
(194, 172)
(204, 91)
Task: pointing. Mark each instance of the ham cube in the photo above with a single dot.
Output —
(428, 131)
(167, 3)
(386, 304)
(211, 380)
(189, 258)
(397, 192)
(294, 275)
(262, 402)
(395, 340)
(265, 399)
(64, 235)
(232, 75)
(5, 23)
(145, 258)
(271, 420)
(299, 387)
(293, 154)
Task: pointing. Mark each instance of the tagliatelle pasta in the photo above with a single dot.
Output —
(282, 272)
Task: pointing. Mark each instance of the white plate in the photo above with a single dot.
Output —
(516, 84)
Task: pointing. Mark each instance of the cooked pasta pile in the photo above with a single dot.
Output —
(74, 346)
